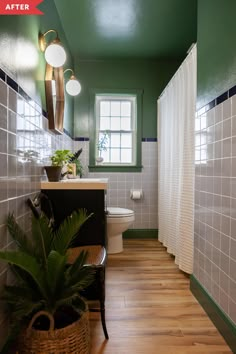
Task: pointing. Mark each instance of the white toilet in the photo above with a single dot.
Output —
(118, 221)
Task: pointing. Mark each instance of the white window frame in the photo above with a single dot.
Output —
(111, 98)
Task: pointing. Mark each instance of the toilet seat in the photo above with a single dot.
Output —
(119, 212)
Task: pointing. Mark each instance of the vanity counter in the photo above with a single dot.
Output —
(77, 184)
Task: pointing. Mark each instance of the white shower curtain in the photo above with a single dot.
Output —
(176, 116)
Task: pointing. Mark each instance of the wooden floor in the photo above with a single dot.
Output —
(149, 307)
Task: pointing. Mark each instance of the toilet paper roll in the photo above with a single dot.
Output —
(136, 194)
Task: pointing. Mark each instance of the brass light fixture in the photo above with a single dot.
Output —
(54, 52)
(73, 86)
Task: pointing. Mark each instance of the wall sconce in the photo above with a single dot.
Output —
(54, 52)
(73, 86)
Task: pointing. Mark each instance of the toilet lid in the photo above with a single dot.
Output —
(119, 212)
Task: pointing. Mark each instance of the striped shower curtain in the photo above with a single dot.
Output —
(176, 115)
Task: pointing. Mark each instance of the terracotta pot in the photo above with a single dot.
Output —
(53, 173)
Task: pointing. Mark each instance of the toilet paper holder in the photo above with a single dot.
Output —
(136, 194)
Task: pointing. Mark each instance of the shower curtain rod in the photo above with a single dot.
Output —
(189, 51)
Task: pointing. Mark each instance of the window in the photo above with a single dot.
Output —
(116, 122)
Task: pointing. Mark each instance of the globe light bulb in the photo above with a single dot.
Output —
(73, 86)
(55, 55)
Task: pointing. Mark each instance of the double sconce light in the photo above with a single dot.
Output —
(55, 56)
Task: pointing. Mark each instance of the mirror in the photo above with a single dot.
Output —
(54, 87)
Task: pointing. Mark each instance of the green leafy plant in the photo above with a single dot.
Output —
(61, 157)
(102, 143)
(45, 281)
(79, 168)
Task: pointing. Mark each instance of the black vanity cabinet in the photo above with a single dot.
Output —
(67, 197)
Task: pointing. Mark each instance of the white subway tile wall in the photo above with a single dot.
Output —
(25, 145)
(215, 204)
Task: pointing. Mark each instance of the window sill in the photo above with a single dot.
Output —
(101, 168)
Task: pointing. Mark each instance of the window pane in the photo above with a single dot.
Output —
(197, 154)
(104, 108)
(125, 109)
(115, 108)
(115, 140)
(105, 123)
(126, 140)
(125, 123)
(115, 155)
(115, 123)
(106, 155)
(105, 141)
(126, 156)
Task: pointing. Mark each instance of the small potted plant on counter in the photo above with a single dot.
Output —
(102, 146)
(47, 314)
(59, 159)
(74, 159)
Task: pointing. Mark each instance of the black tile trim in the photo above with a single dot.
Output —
(44, 113)
(12, 84)
(149, 140)
(2, 75)
(18, 89)
(223, 97)
(232, 91)
(24, 94)
(211, 105)
(81, 138)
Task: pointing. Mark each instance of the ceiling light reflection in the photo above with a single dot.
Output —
(116, 18)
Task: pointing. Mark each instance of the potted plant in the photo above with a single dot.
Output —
(59, 159)
(102, 146)
(79, 168)
(47, 285)
(75, 160)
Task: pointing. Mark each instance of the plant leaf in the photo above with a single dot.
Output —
(73, 271)
(18, 235)
(42, 237)
(69, 229)
(24, 278)
(80, 279)
(21, 302)
(29, 264)
(74, 300)
(55, 275)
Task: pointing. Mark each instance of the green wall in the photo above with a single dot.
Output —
(150, 76)
(21, 58)
(216, 48)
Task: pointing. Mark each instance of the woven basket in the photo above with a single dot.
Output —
(73, 339)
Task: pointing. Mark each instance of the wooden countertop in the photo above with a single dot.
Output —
(77, 184)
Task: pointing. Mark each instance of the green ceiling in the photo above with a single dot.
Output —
(102, 29)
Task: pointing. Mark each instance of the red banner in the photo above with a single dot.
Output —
(20, 7)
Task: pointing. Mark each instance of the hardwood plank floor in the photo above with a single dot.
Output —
(149, 307)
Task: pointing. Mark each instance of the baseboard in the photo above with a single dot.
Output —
(224, 325)
(141, 233)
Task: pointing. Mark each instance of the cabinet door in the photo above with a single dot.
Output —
(64, 202)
